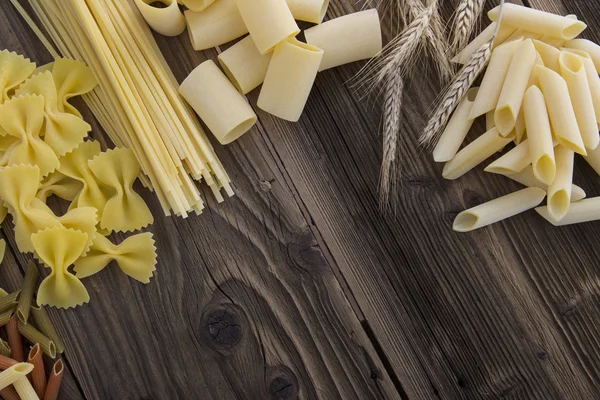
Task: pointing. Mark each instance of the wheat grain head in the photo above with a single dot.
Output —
(466, 16)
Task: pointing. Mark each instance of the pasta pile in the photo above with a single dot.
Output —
(541, 91)
(44, 152)
(271, 55)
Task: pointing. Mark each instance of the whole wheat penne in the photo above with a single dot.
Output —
(541, 147)
(38, 375)
(4, 348)
(7, 362)
(593, 79)
(549, 55)
(10, 375)
(593, 49)
(44, 324)
(498, 209)
(513, 161)
(503, 33)
(35, 336)
(14, 339)
(29, 284)
(25, 389)
(582, 211)
(9, 302)
(559, 192)
(54, 381)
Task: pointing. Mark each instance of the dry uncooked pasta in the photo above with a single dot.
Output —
(14, 69)
(243, 64)
(308, 10)
(167, 20)
(218, 24)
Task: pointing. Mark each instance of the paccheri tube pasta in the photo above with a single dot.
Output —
(243, 64)
(224, 110)
(289, 79)
(167, 20)
(346, 39)
(269, 22)
(220, 23)
(308, 10)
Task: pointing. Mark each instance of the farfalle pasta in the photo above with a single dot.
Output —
(58, 248)
(14, 69)
(62, 131)
(72, 78)
(126, 210)
(136, 256)
(84, 219)
(60, 185)
(23, 118)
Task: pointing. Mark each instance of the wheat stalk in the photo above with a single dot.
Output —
(467, 14)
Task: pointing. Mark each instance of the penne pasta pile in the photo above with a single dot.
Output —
(540, 97)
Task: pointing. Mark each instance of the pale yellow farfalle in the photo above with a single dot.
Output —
(84, 219)
(62, 131)
(58, 248)
(136, 256)
(14, 69)
(23, 118)
(18, 187)
(73, 78)
(74, 165)
(125, 210)
(60, 185)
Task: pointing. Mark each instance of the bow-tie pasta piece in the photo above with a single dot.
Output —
(136, 256)
(18, 186)
(84, 219)
(73, 78)
(60, 185)
(58, 248)
(14, 69)
(23, 117)
(126, 210)
(75, 166)
(62, 131)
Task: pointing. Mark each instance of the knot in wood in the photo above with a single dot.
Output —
(222, 327)
(282, 383)
(305, 253)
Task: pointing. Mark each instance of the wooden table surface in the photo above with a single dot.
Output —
(299, 288)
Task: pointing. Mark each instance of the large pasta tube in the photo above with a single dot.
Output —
(587, 46)
(573, 72)
(220, 23)
(498, 209)
(493, 80)
(197, 5)
(350, 38)
(512, 162)
(559, 192)
(269, 21)
(560, 109)
(290, 78)
(456, 130)
(504, 32)
(592, 77)
(538, 21)
(549, 55)
(582, 211)
(224, 110)
(474, 154)
(243, 64)
(308, 10)
(167, 21)
(515, 85)
(527, 178)
(541, 147)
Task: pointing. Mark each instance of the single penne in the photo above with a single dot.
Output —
(593, 158)
(587, 46)
(489, 120)
(579, 212)
(527, 178)
(553, 41)
(559, 191)
(167, 20)
(35, 336)
(549, 55)
(560, 109)
(269, 22)
(541, 147)
(290, 78)
(38, 375)
(493, 80)
(538, 21)
(503, 33)
(513, 161)
(498, 209)
(218, 24)
(515, 85)
(474, 154)
(197, 5)
(44, 324)
(224, 110)
(54, 381)
(10, 375)
(456, 130)
(347, 39)
(243, 64)
(592, 77)
(308, 10)
(573, 72)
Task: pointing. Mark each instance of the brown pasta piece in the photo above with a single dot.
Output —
(7, 362)
(9, 393)
(29, 284)
(14, 339)
(44, 324)
(4, 348)
(38, 375)
(54, 381)
(34, 336)
(9, 302)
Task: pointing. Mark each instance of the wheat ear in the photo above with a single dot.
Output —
(467, 14)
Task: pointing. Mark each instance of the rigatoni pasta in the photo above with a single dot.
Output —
(243, 64)
(220, 23)
(167, 20)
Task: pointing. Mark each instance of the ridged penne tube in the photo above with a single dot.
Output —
(220, 23)
(38, 375)
(541, 147)
(6, 362)
(456, 130)
(513, 161)
(197, 5)
(498, 209)
(560, 109)
(167, 21)
(308, 10)
(591, 48)
(269, 22)
(347, 39)
(10, 301)
(538, 21)
(14, 339)
(586, 210)
(44, 324)
(54, 381)
(11, 375)
(224, 110)
(549, 54)
(9, 393)
(243, 64)
(493, 80)
(559, 192)
(474, 154)
(290, 78)
(592, 77)
(25, 389)
(503, 33)
(573, 72)
(30, 283)
(35, 336)
(5, 348)
(5, 317)
(515, 85)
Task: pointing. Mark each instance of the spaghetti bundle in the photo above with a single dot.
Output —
(137, 102)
